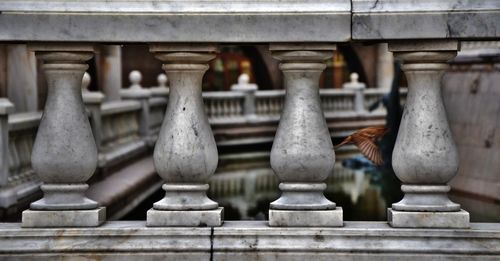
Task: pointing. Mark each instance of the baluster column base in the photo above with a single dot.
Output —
(185, 218)
(415, 219)
(185, 205)
(306, 218)
(64, 218)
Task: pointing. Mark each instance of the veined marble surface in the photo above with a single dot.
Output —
(176, 21)
(249, 240)
(421, 19)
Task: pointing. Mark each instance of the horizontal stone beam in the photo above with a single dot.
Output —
(425, 19)
(176, 21)
(246, 21)
(248, 240)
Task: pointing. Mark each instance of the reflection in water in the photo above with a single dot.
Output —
(364, 194)
(246, 186)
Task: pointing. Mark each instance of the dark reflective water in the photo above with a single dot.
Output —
(245, 185)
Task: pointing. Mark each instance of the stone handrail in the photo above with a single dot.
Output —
(18, 178)
(301, 35)
(224, 104)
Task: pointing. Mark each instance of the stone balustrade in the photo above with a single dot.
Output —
(186, 223)
(18, 179)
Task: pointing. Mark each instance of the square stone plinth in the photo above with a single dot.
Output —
(64, 218)
(185, 218)
(306, 218)
(458, 219)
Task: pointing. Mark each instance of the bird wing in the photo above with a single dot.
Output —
(344, 142)
(365, 139)
(370, 150)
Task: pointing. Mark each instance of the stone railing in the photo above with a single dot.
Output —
(234, 104)
(224, 104)
(303, 223)
(17, 178)
(116, 126)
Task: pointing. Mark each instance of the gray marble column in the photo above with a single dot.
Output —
(425, 157)
(185, 155)
(111, 61)
(302, 155)
(64, 153)
(22, 78)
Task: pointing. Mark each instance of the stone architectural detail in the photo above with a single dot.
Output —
(249, 90)
(358, 87)
(302, 155)
(64, 154)
(425, 157)
(161, 90)
(185, 154)
(6, 107)
(93, 101)
(136, 92)
(111, 59)
(21, 77)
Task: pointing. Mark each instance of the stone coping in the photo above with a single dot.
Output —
(246, 21)
(250, 240)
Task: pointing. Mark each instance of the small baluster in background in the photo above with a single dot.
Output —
(358, 88)
(249, 89)
(6, 107)
(93, 101)
(136, 92)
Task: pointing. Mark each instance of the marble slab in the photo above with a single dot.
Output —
(306, 218)
(459, 219)
(63, 218)
(249, 240)
(176, 21)
(191, 218)
(425, 19)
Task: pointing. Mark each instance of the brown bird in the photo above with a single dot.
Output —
(366, 140)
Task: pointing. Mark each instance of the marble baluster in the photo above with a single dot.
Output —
(425, 156)
(64, 154)
(93, 101)
(302, 155)
(6, 108)
(185, 155)
(137, 92)
(249, 103)
(358, 88)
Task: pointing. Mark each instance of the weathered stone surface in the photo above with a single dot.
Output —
(185, 218)
(425, 157)
(249, 240)
(458, 219)
(306, 218)
(177, 21)
(436, 19)
(64, 218)
(185, 155)
(64, 153)
(302, 155)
